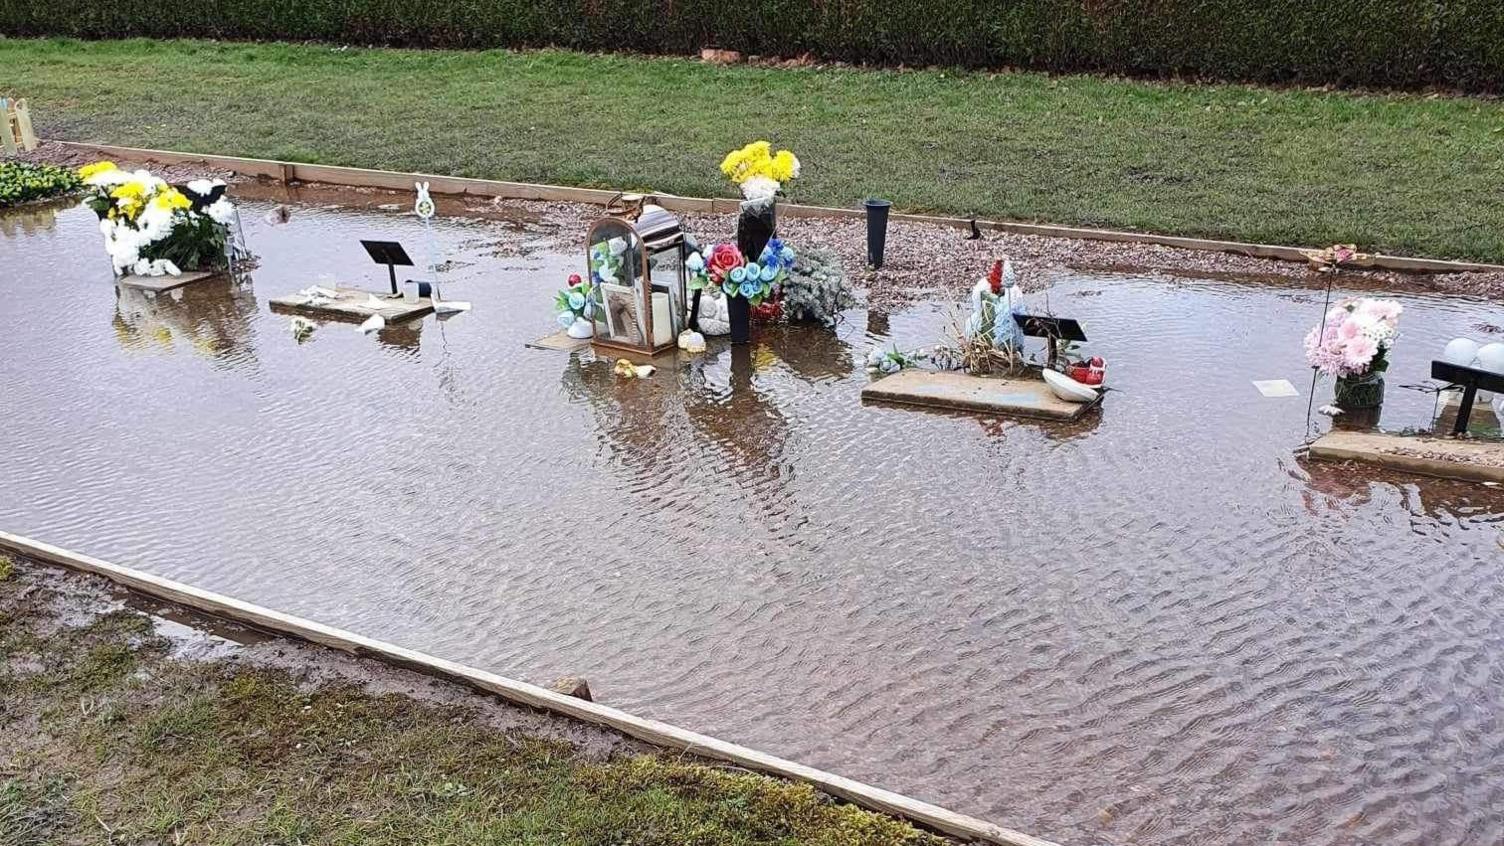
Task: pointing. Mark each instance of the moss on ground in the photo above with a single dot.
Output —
(117, 741)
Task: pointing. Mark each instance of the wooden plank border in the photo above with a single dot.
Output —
(394, 180)
(651, 731)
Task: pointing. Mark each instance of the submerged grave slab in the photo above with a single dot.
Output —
(158, 284)
(350, 306)
(559, 340)
(963, 392)
(1451, 458)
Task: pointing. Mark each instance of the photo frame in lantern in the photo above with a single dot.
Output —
(638, 268)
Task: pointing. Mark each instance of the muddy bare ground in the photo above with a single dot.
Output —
(129, 721)
(926, 261)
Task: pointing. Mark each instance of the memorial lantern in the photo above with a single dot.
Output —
(638, 268)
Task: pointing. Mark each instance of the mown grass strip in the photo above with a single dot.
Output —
(1401, 174)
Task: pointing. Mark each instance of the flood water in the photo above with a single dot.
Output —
(1156, 627)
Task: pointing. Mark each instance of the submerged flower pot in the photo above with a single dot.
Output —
(1359, 392)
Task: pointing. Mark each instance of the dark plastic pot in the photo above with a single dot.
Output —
(755, 227)
(877, 230)
(741, 319)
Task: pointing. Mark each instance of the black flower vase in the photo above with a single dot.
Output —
(754, 228)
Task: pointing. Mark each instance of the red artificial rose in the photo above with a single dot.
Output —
(574, 279)
(723, 259)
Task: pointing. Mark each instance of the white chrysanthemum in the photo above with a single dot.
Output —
(221, 211)
(160, 267)
(796, 165)
(760, 188)
(202, 187)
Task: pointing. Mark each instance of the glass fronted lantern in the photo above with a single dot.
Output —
(638, 269)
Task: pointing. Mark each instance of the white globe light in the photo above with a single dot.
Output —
(1491, 358)
(1460, 351)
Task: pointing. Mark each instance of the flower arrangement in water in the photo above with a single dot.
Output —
(816, 289)
(1355, 338)
(723, 269)
(577, 304)
(758, 171)
(151, 228)
(893, 359)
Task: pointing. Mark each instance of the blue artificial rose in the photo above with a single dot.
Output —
(751, 289)
(729, 288)
(769, 273)
(753, 271)
(566, 318)
(576, 300)
(774, 247)
(737, 274)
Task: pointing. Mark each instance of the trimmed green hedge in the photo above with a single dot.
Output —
(1390, 43)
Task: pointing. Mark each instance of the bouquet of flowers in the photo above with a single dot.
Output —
(760, 172)
(892, 360)
(724, 270)
(151, 228)
(1355, 338)
(576, 302)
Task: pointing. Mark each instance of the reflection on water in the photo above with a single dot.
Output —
(1158, 625)
(213, 318)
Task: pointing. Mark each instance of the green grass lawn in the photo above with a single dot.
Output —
(1400, 173)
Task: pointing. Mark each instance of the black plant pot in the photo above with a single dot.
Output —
(877, 231)
(741, 319)
(755, 227)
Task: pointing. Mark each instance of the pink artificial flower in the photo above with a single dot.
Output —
(1349, 330)
(1359, 354)
(1385, 310)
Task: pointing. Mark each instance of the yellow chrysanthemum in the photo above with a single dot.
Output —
(171, 199)
(757, 160)
(782, 166)
(130, 197)
(95, 169)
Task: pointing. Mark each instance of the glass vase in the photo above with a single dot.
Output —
(1358, 392)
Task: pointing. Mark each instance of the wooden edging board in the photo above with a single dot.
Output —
(522, 693)
(396, 181)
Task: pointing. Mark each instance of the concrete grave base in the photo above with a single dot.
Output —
(962, 392)
(158, 284)
(349, 307)
(1450, 458)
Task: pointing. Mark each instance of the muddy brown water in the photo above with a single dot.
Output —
(1159, 626)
